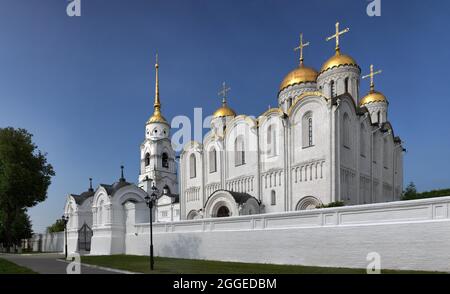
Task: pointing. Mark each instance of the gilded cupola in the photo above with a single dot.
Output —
(375, 102)
(338, 59)
(302, 74)
(224, 110)
(373, 96)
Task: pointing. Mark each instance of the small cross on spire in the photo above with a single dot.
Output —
(337, 36)
(122, 178)
(300, 47)
(371, 76)
(224, 92)
(90, 184)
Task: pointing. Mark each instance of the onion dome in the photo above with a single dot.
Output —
(224, 110)
(301, 74)
(338, 60)
(373, 96)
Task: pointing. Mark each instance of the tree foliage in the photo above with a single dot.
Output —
(332, 204)
(411, 193)
(58, 226)
(25, 177)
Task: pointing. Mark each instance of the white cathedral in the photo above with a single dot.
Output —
(324, 143)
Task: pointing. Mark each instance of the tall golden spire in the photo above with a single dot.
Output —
(337, 37)
(300, 47)
(157, 116)
(371, 76)
(157, 104)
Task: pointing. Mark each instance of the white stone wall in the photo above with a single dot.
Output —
(412, 235)
(50, 242)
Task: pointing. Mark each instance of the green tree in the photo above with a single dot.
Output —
(21, 227)
(58, 226)
(25, 177)
(410, 192)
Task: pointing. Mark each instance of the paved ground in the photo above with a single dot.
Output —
(48, 263)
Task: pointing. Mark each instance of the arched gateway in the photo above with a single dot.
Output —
(223, 203)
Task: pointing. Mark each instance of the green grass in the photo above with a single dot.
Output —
(164, 265)
(7, 267)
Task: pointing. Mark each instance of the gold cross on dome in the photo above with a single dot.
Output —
(300, 47)
(371, 76)
(337, 36)
(224, 92)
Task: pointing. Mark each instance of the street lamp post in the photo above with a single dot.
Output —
(150, 200)
(65, 220)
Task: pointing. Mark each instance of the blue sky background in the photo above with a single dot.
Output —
(84, 86)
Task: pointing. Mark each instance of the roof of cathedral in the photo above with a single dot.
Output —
(302, 74)
(112, 189)
(79, 199)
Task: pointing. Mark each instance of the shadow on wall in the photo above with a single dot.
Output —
(183, 246)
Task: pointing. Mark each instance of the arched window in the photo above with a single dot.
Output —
(273, 198)
(289, 103)
(379, 117)
(192, 166)
(271, 141)
(239, 151)
(346, 85)
(212, 160)
(362, 140)
(346, 131)
(165, 160)
(332, 89)
(307, 130)
(147, 159)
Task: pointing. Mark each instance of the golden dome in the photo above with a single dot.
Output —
(338, 60)
(373, 97)
(157, 118)
(224, 111)
(301, 74)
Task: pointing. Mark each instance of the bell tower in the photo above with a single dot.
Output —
(157, 155)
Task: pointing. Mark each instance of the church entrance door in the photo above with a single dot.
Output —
(84, 238)
(223, 211)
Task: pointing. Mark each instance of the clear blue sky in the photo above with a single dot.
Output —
(84, 86)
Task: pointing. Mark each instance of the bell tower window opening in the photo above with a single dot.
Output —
(147, 159)
(165, 160)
